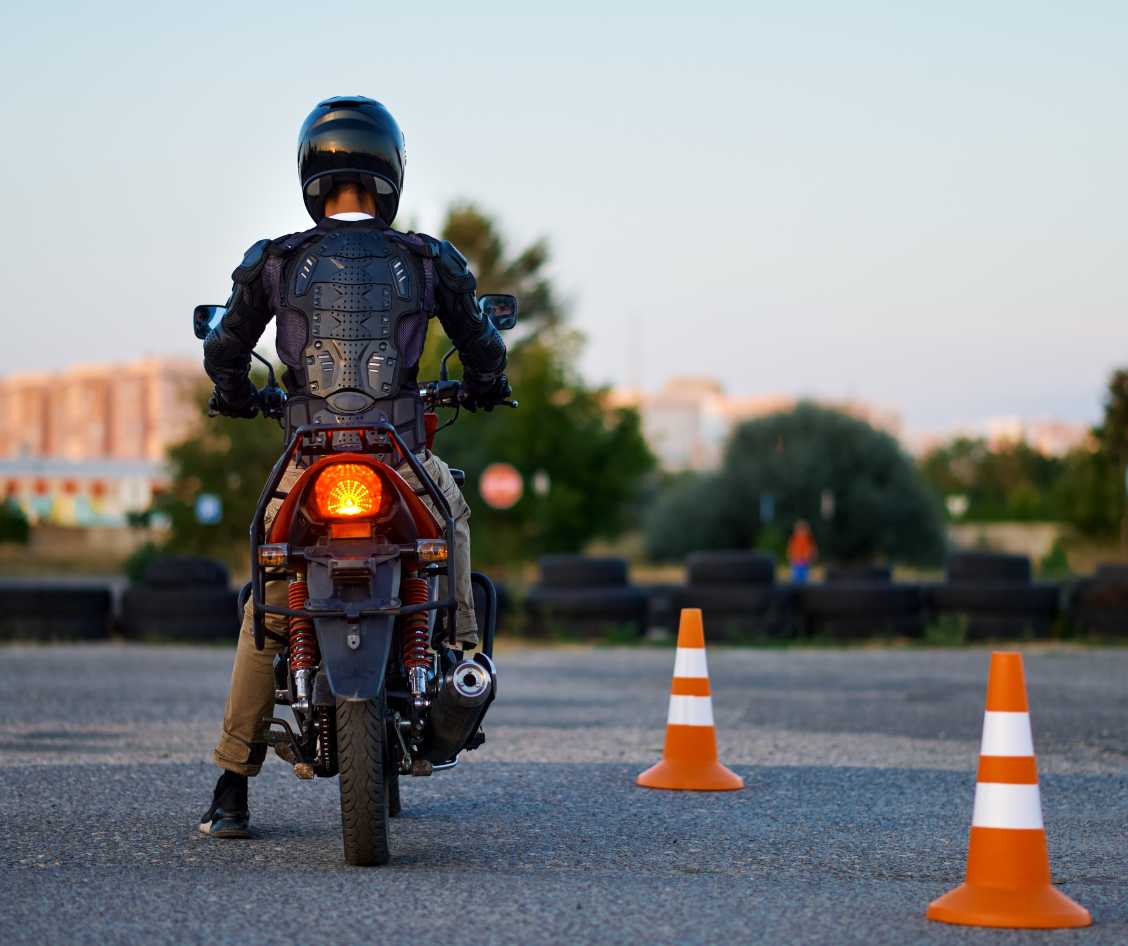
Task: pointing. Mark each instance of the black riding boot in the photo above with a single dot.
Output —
(228, 816)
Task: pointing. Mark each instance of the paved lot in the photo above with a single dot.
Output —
(859, 768)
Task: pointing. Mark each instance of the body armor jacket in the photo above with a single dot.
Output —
(361, 297)
(352, 301)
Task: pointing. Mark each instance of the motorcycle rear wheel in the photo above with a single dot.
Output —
(392, 772)
(361, 730)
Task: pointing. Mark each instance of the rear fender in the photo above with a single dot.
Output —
(354, 654)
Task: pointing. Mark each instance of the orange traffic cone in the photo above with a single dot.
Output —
(689, 761)
(1008, 867)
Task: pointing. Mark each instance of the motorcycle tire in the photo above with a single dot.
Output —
(361, 731)
(393, 790)
(391, 773)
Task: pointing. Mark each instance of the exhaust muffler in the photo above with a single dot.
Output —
(458, 707)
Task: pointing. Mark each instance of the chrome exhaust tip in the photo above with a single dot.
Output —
(471, 680)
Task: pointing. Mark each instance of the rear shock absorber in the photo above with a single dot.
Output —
(416, 640)
(303, 642)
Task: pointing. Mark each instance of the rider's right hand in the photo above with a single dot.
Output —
(217, 405)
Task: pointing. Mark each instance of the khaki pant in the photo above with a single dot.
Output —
(241, 747)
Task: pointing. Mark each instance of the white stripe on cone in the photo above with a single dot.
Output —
(1006, 734)
(690, 662)
(999, 805)
(690, 711)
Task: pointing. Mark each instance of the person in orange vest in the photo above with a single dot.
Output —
(801, 551)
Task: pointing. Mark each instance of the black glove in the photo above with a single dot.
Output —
(218, 405)
(486, 396)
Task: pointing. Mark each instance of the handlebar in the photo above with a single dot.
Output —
(271, 399)
(449, 394)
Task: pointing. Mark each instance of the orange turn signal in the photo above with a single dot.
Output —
(273, 556)
(348, 491)
(431, 550)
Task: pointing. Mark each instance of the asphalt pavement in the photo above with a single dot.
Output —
(859, 769)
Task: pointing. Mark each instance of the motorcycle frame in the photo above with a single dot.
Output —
(293, 450)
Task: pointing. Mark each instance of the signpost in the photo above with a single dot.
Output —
(501, 486)
(209, 509)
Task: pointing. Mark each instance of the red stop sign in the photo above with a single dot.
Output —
(501, 485)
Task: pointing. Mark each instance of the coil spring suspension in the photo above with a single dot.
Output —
(414, 628)
(303, 642)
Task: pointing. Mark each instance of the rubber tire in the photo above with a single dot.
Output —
(42, 612)
(361, 729)
(585, 612)
(1039, 598)
(579, 571)
(176, 571)
(860, 574)
(1112, 573)
(1099, 605)
(861, 600)
(859, 610)
(395, 806)
(735, 611)
(730, 568)
(180, 614)
(391, 774)
(988, 568)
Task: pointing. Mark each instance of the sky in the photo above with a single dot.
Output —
(918, 205)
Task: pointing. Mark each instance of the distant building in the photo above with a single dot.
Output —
(1053, 438)
(86, 446)
(688, 422)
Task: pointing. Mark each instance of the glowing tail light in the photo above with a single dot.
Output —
(346, 491)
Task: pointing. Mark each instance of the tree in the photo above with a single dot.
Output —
(593, 458)
(14, 526)
(807, 460)
(1085, 488)
(229, 458)
(692, 512)
(1090, 493)
(1113, 432)
(1013, 482)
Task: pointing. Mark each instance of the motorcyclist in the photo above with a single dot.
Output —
(351, 299)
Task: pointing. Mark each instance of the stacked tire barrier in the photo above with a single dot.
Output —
(737, 592)
(181, 599)
(993, 593)
(585, 598)
(42, 611)
(862, 602)
(1099, 605)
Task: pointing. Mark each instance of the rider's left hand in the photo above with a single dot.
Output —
(486, 397)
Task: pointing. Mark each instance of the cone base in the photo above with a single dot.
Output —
(700, 777)
(1045, 908)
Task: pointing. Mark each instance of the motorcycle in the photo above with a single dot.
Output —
(374, 694)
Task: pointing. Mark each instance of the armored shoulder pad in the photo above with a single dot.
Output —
(252, 263)
(291, 242)
(419, 243)
(453, 268)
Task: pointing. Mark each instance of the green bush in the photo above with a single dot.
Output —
(882, 507)
(137, 563)
(14, 526)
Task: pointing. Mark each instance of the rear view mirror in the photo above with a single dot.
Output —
(205, 318)
(500, 308)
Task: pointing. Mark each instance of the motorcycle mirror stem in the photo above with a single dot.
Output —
(444, 373)
(269, 369)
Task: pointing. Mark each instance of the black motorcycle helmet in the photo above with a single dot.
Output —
(351, 138)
